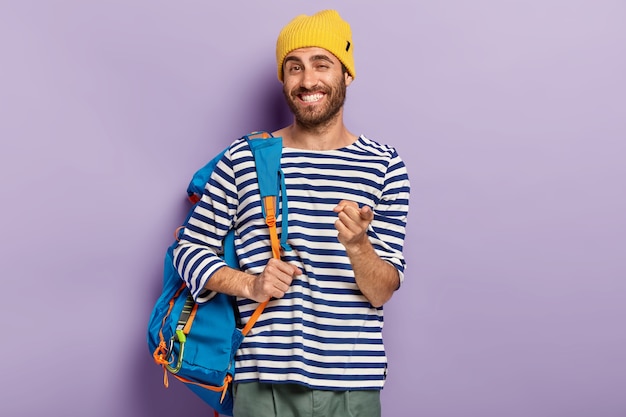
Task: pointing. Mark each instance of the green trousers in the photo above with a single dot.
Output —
(253, 399)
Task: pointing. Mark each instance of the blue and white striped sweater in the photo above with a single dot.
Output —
(323, 333)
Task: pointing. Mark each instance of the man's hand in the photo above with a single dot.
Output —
(274, 281)
(352, 223)
(376, 278)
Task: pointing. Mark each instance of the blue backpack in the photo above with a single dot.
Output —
(197, 342)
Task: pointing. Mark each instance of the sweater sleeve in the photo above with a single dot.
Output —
(388, 229)
(197, 254)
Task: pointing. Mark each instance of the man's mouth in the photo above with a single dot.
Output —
(311, 98)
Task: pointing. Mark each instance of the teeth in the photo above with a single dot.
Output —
(311, 98)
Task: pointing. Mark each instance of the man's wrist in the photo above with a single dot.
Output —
(360, 248)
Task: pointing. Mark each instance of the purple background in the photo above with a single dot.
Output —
(509, 114)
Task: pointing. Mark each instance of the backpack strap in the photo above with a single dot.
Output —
(267, 151)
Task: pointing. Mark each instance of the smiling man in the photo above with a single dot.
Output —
(315, 96)
(317, 350)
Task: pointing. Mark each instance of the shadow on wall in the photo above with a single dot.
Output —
(276, 111)
(267, 109)
(147, 395)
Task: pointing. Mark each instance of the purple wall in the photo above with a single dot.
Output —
(509, 114)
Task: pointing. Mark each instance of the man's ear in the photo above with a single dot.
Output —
(348, 78)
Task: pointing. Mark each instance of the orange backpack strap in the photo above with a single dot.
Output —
(270, 220)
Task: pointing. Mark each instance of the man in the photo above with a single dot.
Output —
(317, 350)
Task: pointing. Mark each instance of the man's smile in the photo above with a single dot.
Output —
(311, 98)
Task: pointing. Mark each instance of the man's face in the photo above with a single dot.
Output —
(314, 85)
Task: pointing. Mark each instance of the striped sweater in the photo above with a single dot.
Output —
(323, 333)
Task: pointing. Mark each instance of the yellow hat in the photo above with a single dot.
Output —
(325, 29)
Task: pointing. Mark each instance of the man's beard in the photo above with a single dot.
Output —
(312, 117)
